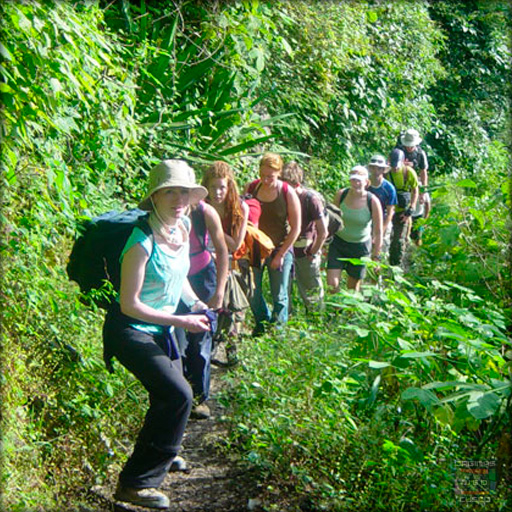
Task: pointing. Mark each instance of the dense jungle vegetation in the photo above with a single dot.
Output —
(369, 406)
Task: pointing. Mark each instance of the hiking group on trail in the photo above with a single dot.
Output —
(188, 266)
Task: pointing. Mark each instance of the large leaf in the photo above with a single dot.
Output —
(239, 148)
(424, 396)
(483, 405)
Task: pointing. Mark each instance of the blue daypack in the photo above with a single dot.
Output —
(94, 259)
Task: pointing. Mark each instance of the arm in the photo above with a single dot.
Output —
(390, 211)
(414, 196)
(214, 227)
(377, 227)
(337, 198)
(234, 242)
(190, 299)
(423, 177)
(424, 169)
(133, 271)
(321, 235)
(294, 218)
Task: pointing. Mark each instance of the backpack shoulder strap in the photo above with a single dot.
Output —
(369, 197)
(344, 193)
(285, 190)
(199, 223)
(253, 187)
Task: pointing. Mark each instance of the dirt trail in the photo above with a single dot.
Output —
(214, 483)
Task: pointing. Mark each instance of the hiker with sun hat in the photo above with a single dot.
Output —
(138, 329)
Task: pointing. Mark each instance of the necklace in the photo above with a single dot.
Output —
(172, 235)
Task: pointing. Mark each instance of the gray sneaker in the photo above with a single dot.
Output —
(179, 464)
(200, 412)
(149, 497)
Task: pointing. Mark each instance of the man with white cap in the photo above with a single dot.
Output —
(416, 158)
(385, 192)
(361, 233)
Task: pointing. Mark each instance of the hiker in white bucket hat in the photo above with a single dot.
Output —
(416, 158)
(139, 328)
(172, 173)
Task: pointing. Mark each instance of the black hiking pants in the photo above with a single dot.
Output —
(154, 359)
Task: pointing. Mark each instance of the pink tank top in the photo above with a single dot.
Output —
(199, 255)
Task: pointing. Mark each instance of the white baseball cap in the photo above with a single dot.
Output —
(378, 161)
(359, 172)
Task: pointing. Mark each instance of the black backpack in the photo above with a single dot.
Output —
(94, 258)
(332, 214)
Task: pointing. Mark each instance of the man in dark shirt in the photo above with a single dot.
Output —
(308, 247)
(416, 158)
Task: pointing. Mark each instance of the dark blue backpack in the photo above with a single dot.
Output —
(94, 259)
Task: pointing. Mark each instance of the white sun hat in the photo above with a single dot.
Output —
(410, 138)
(172, 173)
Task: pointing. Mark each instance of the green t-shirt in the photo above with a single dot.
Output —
(397, 179)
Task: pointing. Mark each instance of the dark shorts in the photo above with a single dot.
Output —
(341, 249)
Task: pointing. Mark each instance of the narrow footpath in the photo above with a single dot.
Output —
(213, 482)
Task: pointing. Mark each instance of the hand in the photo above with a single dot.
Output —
(198, 306)
(407, 213)
(195, 323)
(277, 262)
(377, 258)
(312, 257)
(216, 301)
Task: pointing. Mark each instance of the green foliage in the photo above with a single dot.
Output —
(359, 410)
(468, 234)
(68, 129)
(355, 411)
(191, 100)
(470, 105)
(363, 80)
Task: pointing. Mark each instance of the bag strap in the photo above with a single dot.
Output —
(284, 188)
(405, 175)
(143, 225)
(199, 225)
(343, 195)
(254, 187)
(369, 196)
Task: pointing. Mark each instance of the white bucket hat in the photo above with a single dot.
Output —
(172, 173)
(359, 172)
(410, 138)
(378, 161)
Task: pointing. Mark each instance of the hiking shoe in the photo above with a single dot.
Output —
(200, 412)
(178, 464)
(231, 354)
(258, 331)
(149, 497)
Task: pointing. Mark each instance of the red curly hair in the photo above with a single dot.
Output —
(232, 203)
